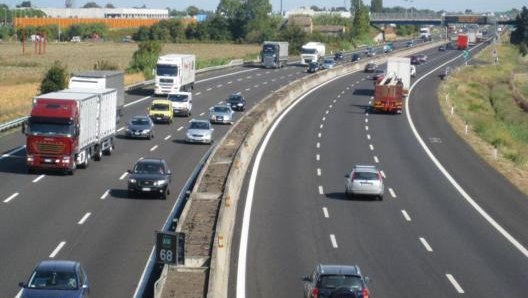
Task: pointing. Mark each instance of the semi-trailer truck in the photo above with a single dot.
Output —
(462, 41)
(312, 51)
(274, 54)
(102, 79)
(174, 73)
(401, 67)
(69, 128)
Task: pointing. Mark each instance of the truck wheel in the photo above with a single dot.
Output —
(99, 153)
(109, 150)
(86, 160)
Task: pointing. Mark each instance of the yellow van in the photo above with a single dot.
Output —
(160, 110)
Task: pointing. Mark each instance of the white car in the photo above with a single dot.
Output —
(364, 180)
(199, 131)
(413, 71)
(181, 103)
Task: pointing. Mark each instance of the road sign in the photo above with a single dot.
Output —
(170, 247)
(466, 55)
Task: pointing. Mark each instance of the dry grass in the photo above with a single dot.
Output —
(21, 73)
(468, 92)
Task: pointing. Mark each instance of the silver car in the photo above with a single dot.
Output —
(140, 127)
(199, 131)
(221, 113)
(364, 180)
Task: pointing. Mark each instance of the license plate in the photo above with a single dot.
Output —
(158, 118)
(145, 189)
(136, 133)
(47, 160)
(219, 118)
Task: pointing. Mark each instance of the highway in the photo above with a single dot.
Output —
(449, 225)
(87, 216)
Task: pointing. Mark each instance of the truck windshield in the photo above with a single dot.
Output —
(309, 51)
(42, 128)
(269, 49)
(166, 70)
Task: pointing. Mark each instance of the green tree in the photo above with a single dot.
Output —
(91, 5)
(295, 35)
(360, 23)
(376, 6)
(25, 4)
(192, 10)
(144, 59)
(55, 78)
(109, 5)
(519, 37)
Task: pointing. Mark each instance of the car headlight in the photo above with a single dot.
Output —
(146, 130)
(127, 129)
(132, 180)
(160, 182)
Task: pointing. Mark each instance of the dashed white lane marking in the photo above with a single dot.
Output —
(167, 137)
(324, 119)
(325, 212)
(198, 93)
(247, 89)
(120, 129)
(181, 127)
(319, 135)
(327, 111)
(366, 127)
(84, 218)
(321, 191)
(330, 106)
(406, 215)
(220, 102)
(219, 86)
(426, 245)
(318, 145)
(392, 193)
(57, 249)
(230, 82)
(318, 172)
(123, 176)
(202, 113)
(321, 126)
(376, 160)
(343, 92)
(366, 120)
(265, 83)
(239, 79)
(333, 240)
(208, 89)
(11, 197)
(357, 82)
(455, 284)
(106, 193)
(154, 148)
(317, 157)
(383, 174)
(368, 136)
(38, 178)
(335, 100)
(371, 147)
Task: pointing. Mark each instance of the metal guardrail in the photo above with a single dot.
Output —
(19, 121)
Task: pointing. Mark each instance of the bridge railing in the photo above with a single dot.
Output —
(410, 15)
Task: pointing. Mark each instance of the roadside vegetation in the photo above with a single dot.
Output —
(492, 100)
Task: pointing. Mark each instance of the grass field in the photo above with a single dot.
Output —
(22, 70)
(485, 97)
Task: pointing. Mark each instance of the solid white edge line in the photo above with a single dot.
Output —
(120, 129)
(325, 212)
(450, 178)
(38, 178)
(426, 244)
(244, 231)
(455, 284)
(84, 218)
(333, 240)
(105, 194)
(11, 197)
(57, 250)
(406, 215)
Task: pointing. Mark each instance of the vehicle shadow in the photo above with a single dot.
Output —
(343, 197)
(363, 92)
(142, 91)
(123, 194)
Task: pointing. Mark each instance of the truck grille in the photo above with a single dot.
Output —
(47, 148)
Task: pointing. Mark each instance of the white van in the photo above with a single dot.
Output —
(181, 103)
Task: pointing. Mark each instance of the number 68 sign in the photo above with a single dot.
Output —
(167, 247)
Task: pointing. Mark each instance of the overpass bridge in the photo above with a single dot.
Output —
(414, 18)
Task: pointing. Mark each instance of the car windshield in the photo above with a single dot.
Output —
(51, 280)
(178, 97)
(329, 61)
(235, 98)
(139, 121)
(221, 109)
(159, 107)
(199, 125)
(338, 280)
(148, 168)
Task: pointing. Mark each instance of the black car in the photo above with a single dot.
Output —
(441, 48)
(237, 101)
(356, 57)
(338, 56)
(371, 67)
(140, 127)
(149, 176)
(336, 281)
(313, 66)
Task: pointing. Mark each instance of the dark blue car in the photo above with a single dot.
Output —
(55, 278)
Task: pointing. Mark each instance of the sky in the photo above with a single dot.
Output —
(210, 5)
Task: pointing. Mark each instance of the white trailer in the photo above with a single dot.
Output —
(401, 68)
(174, 73)
(274, 54)
(472, 38)
(102, 79)
(312, 51)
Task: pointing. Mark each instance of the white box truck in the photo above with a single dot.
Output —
(174, 73)
(274, 54)
(401, 68)
(312, 51)
(102, 79)
(68, 128)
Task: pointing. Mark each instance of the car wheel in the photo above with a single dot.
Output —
(380, 198)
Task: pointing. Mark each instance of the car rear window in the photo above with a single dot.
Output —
(365, 176)
(338, 280)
